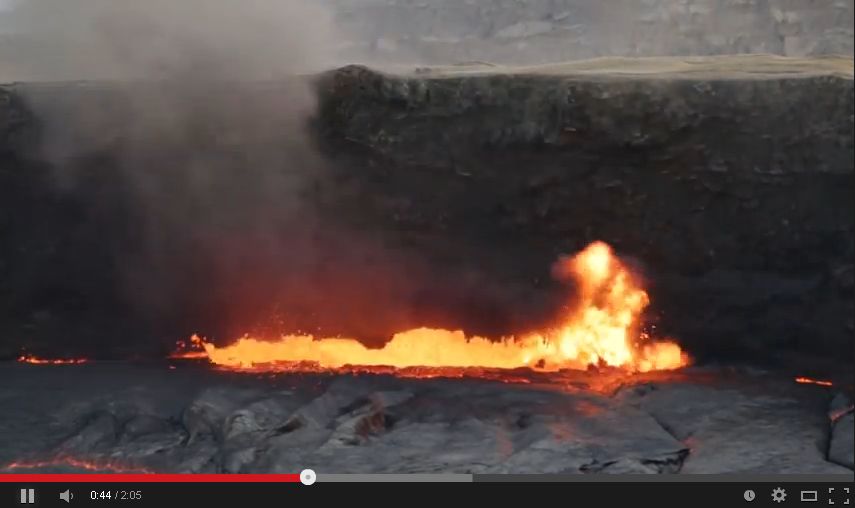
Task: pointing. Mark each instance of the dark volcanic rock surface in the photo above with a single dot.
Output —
(696, 422)
(741, 431)
(842, 446)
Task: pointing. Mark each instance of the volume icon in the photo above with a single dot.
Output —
(66, 496)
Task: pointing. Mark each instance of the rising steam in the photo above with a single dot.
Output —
(187, 139)
(189, 143)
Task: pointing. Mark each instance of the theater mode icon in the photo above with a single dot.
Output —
(809, 496)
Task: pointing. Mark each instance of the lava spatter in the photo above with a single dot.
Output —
(601, 329)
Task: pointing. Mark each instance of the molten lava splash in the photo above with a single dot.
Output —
(51, 361)
(189, 350)
(602, 330)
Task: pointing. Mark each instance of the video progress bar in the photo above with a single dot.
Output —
(573, 478)
(394, 477)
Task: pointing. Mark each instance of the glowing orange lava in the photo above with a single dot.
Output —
(603, 329)
(88, 465)
(51, 361)
(809, 381)
(189, 349)
(840, 413)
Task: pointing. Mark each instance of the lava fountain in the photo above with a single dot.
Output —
(603, 329)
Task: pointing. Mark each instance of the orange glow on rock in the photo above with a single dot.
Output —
(51, 361)
(807, 380)
(88, 465)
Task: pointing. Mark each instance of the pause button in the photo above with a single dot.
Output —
(28, 496)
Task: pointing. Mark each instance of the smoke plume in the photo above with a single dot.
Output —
(188, 140)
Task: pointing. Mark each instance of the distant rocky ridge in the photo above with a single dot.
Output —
(537, 31)
(522, 32)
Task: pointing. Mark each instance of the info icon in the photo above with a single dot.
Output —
(308, 477)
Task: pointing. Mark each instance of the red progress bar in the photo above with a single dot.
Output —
(151, 478)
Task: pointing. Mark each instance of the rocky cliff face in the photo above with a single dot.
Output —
(729, 180)
(534, 31)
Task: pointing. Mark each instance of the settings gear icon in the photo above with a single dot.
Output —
(779, 495)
